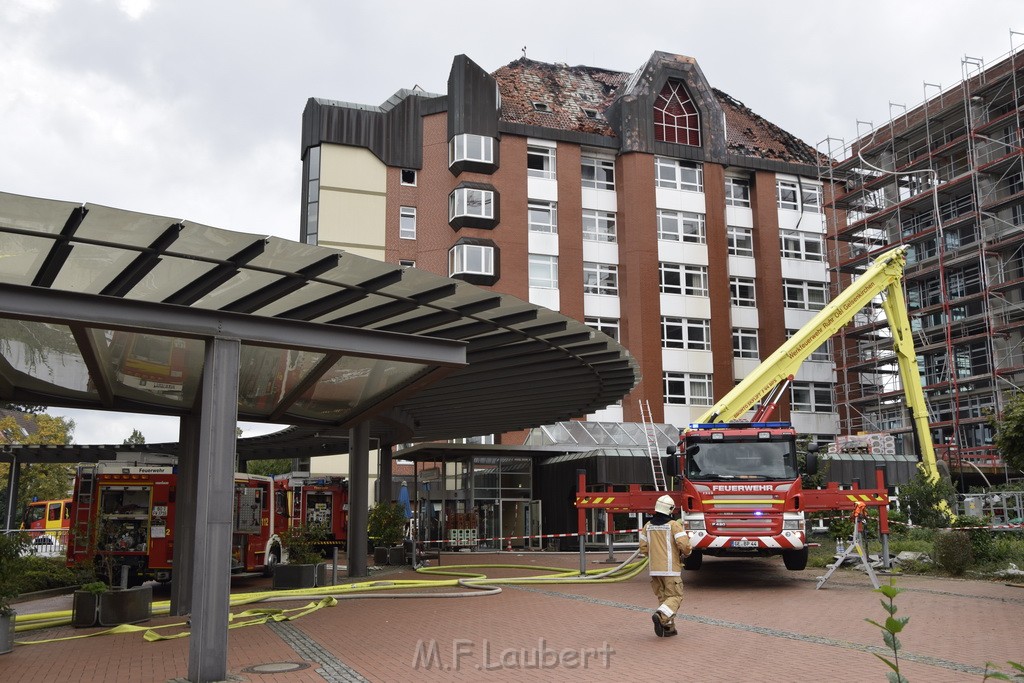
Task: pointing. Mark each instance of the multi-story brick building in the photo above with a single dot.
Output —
(651, 205)
(946, 179)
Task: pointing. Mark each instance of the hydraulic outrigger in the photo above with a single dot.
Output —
(762, 389)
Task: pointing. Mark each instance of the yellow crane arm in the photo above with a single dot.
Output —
(883, 277)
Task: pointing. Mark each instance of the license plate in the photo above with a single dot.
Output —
(744, 544)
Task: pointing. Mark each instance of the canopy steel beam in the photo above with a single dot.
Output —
(66, 308)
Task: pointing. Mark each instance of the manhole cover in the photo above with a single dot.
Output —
(276, 668)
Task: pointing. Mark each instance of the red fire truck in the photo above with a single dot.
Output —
(123, 515)
(740, 492)
(315, 499)
(47, 517)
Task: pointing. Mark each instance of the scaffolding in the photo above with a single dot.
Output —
(945, 179)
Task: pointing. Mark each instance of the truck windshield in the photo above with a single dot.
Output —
(762, 460)
(34, 513)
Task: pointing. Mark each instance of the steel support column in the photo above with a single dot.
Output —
(359, 469)
(182, 576)
(13, 475)
(208, 645)
(384, 475)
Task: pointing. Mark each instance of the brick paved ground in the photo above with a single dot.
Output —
(742, 620)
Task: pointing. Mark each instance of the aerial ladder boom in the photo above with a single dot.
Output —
(882, 278)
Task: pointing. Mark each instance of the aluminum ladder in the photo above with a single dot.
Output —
(652, 446)
(84, 507)
(856, 547)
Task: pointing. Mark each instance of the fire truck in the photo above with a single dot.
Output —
(739, 489)
(315, 500)
(47, 518)
(123, 515)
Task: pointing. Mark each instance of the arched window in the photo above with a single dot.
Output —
(675, 118)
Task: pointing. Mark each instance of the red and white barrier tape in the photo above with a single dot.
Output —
(511, 538)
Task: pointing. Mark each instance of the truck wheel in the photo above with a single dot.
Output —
(273, 559)
(694, 560)
(795, 560)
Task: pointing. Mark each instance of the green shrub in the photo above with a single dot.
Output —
(386, 524)
(42, 573)
(923, 498)
(1008, 548)
(953, 551)
(982, 541)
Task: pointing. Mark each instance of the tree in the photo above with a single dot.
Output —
(42, 481)
(1010, 432)
(269, 468)
(924, 498)
(136, 439)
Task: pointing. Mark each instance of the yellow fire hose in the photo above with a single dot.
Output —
(328, 596)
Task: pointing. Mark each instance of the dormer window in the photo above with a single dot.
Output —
(541, 106)
(676, 119)
(591, 113)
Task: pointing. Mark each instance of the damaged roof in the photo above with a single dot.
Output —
(575, 98)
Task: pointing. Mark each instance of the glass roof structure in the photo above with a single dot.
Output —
(588, 435)
(107, 309)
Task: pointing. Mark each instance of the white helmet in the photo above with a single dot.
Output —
(665, 505)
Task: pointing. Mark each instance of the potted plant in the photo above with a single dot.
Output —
(105, 602)
(302, 554)
(12, 545)
(386, 526)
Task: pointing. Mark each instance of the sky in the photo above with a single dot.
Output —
(192, 109)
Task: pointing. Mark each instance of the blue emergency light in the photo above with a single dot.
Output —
(740, 425)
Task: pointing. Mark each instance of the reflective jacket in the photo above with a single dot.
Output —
(664, 544)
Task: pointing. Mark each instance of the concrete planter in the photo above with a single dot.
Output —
(6, 633)
(287, 576)
(112, 607)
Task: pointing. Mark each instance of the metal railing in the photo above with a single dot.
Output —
(44, 542)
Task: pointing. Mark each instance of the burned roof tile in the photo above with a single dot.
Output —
(569, 91)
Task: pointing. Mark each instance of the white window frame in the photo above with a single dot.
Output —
(401, 176)
(547, 158)
(693, 280)
(600, 278)
(609, 326)
(745, 343)
(737, 191)
(810, 397)
(601, 175)
(463, 259)
(805, 246)
(811, 197)
(738, 293)
(599, 226)
(804, 295)
(692, 334)
(543, 271)
(787, 195)
(543, 217)
(407, 222)
(697, 388)
(741, 240)
(676, 174)
(470, 147)
(460, 204)
(682, 226)
(406, 263)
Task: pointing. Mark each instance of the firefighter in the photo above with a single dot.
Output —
(663, 541)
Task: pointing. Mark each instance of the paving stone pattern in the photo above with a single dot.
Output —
(741, 621)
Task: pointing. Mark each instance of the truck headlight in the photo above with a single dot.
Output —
(695, 525)
(793, 525)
